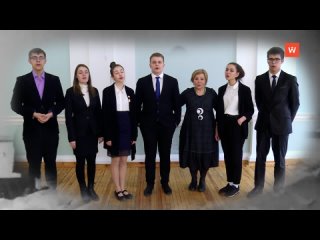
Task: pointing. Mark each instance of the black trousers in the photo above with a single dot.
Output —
(91, 169)
(43, 144)
(279, 148)
(153, 137)
(232, 144)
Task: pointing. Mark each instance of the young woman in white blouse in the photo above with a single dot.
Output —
(120, 130)
(84, 125)
(234, 112)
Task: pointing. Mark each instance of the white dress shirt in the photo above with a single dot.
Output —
(154, 80)
(271, 78)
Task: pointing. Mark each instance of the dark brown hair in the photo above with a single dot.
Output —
(76, 85)
(276, 50)
(239, 70)
(113, 65)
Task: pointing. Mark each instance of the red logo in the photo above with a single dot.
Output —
(292, 49)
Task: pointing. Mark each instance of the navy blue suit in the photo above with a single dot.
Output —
(157, 121)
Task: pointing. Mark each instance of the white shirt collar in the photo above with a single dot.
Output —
(118, 90)
(154, 76)
(277, 74)
(235, 86)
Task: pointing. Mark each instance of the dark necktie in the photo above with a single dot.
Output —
(157, 88)
(273, 83)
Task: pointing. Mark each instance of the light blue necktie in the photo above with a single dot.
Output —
(157, 88)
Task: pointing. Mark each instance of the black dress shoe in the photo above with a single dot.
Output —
(85, 195)
(29, 190)
(202, 186)
(193, 186)
(255, 192)
(93, 195)
(119, 195)
(148, 190)
(127, 195)
(278, 189)
(166, 189)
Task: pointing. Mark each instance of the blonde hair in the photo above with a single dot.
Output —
(199, 71)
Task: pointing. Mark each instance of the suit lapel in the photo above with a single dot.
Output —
(33, 85)
(151, 88)
(280, 82)
(223, 91)
(266, 84)
(239, 95)
(113, 98)
(164, 86)
(82, 101)
(46, 86)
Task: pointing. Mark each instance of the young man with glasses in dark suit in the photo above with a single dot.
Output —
(277, 99)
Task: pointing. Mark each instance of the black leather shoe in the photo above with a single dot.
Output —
(148, 190)
(193, 186)
(278, 189)
(202, 186)
(119, 195)
(29, 190)
(93, 195)
(127, 195)
(255, 192)
(85, 195)
(166, 189)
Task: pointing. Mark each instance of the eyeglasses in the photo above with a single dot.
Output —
(276, 60)
(35, 58)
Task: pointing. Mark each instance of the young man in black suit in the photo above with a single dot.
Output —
(277, 99)
(158, 115)
(38, 97)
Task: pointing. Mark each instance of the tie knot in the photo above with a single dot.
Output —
(157, 78)
(274, 77)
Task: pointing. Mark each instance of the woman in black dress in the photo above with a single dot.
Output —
(198, 148)
(120, 130)
(84, 125)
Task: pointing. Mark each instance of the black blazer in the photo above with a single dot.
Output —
(169, 107)
(26, 100)
(245, 107)
(80, 118)
(110, 123)
(277, 110)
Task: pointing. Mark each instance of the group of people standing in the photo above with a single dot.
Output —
(155, 107)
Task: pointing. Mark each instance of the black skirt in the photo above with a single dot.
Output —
(124, 124)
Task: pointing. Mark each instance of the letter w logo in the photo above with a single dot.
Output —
(292, 49)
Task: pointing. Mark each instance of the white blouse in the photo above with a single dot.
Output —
(122, 99)
(85, 92)
(231, 99)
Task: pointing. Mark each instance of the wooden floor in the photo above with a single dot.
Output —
(181, 198)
